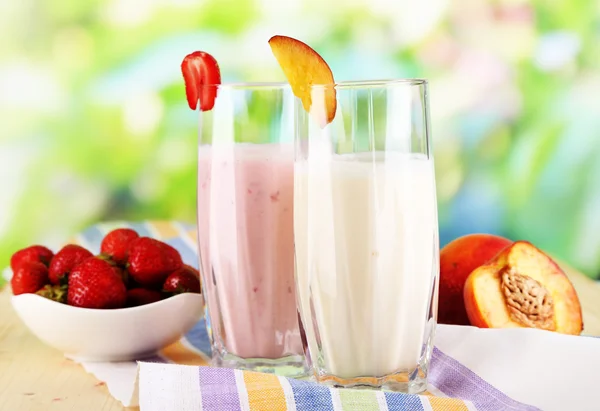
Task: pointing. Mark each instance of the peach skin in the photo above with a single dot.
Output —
(458, 259)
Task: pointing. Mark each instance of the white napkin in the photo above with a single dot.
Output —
(551, 371)
(120, 379)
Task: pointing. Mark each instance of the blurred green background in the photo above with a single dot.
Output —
(95, 125)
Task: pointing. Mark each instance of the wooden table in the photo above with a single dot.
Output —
(36, 377)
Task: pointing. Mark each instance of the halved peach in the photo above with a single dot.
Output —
(304, 68)
(522, 287)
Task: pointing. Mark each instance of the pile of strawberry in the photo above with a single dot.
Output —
(129, 271)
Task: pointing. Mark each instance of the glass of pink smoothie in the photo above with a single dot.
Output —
(245, 228)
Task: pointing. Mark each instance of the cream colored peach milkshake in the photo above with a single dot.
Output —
(245, 223)
(365, 235)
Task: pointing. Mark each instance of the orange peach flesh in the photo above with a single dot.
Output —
(304, 68)
(485, 302)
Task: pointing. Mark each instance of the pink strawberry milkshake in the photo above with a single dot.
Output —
(246, 239)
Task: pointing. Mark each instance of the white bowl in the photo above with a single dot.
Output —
(84, 334)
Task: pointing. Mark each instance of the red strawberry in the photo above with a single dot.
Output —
(116, 244)
(201, 75)
(33, 253)
(96, 283)
(29, 277)
(142, 296)
(65, 260)
(150, 261)
(184, 280)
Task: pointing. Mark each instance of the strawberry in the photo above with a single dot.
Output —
(33, 253)
(184, 280)
(95, 283)
(142, 296)
(116, 244)
(150, 261)
(54, 292)
(201, 75)
(65, 260)
(29, 277)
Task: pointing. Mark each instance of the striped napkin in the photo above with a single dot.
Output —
(471, 369)
(170, 386)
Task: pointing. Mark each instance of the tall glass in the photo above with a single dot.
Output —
(245, 228)
(366, 235)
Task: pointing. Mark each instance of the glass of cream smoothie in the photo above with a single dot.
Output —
(245, 228)
(366, 236)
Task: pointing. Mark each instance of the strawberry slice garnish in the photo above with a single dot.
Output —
(201, 75)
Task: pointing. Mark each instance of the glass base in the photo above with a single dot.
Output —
(399, 382)
(292, 366)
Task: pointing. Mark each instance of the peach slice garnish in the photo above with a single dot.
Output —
(522, 287)
(304, 67)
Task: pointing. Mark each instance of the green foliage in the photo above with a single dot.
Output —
(114, 138)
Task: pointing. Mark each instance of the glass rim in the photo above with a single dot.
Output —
(375, 83)
(261, 85)
(351, 84)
